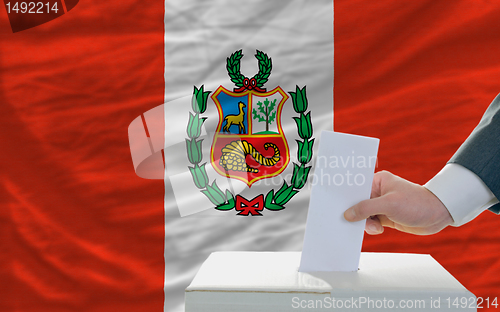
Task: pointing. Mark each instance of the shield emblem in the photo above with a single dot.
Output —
(249, 143)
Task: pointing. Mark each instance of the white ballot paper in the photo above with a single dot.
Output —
(343, 176)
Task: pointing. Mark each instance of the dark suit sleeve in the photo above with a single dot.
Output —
(480, 153)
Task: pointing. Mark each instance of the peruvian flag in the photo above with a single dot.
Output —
(81, 231)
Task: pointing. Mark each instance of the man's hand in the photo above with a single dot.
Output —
(402, 205)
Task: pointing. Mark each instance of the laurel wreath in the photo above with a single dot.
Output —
(233, 68)
(226, 200)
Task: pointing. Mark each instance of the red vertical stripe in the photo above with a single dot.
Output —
(419, 75)
(80, 230)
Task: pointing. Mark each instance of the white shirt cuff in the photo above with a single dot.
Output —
(462, 192)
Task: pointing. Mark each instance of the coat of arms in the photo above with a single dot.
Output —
(249, 143)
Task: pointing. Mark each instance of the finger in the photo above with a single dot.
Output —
(376, 185)
(381, 180)
(384, 221)
(370, 207)
(373, 226)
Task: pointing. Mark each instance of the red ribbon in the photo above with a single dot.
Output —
(252, 207)
(249, 84)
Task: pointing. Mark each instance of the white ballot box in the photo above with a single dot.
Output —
(270, 281)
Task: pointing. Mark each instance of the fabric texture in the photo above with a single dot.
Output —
(80, 231)
(200, 38)
(480, 153)
(272, 40)
(419, 75)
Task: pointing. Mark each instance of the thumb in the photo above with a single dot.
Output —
(367, 208)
